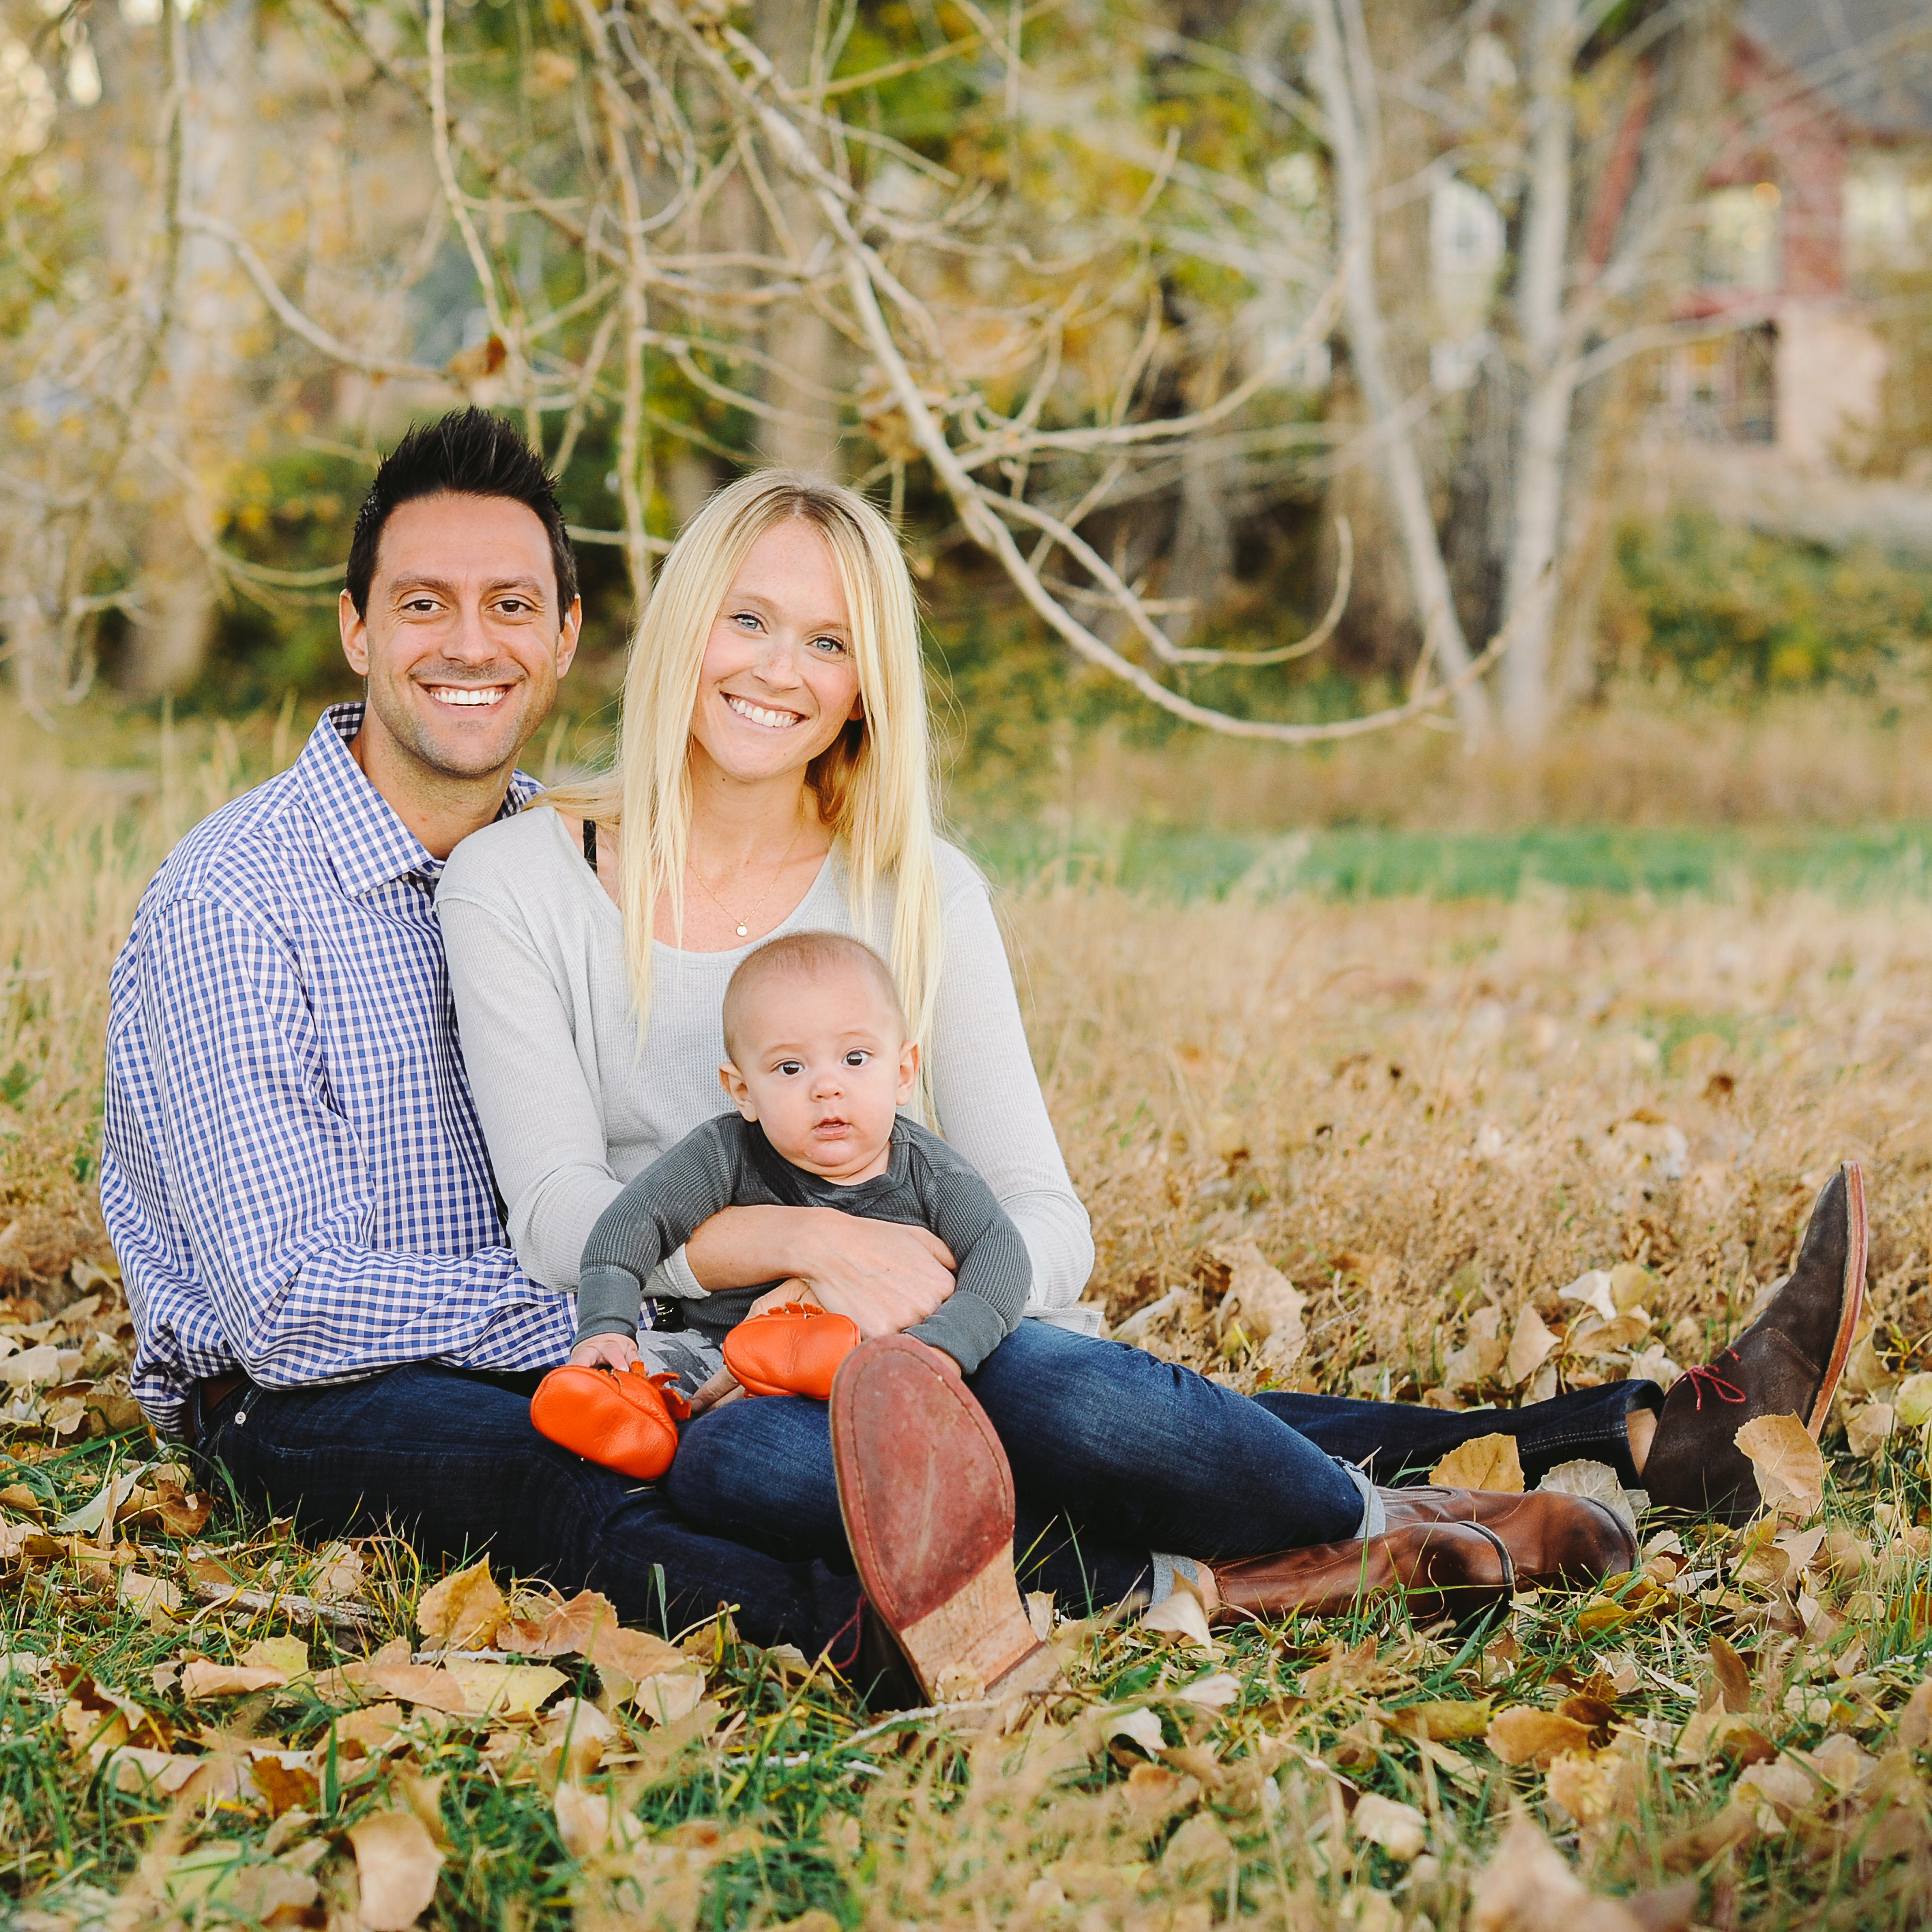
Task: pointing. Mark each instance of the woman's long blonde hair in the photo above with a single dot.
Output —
(873, 783)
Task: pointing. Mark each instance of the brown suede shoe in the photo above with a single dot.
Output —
(1788, 1362)
(927, 1496)
(1444, 1569)
(1552, 1539)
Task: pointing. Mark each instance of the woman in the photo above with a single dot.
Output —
(773, 776)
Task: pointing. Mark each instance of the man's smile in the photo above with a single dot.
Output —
(763, 715)
(467, 693)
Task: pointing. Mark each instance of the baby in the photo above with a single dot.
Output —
(818, 1065)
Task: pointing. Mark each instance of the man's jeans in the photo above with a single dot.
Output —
(1115, 1454)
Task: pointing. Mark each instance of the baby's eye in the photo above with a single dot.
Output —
(857, 1056)
(789, 1067)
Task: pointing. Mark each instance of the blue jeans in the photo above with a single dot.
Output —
(1115, 1454)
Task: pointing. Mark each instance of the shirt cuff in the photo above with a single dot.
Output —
(608, 1301)
(672, 1280)
(967, 1328)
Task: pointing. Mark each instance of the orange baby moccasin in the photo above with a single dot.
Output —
(792, 1350)
(627, 1421)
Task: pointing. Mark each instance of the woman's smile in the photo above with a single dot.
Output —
(767, 717)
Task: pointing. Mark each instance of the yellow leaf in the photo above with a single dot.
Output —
(288, 1654)
(1525, 1735)
(508, 1690)
(1266, 1302)
(1790, 1471)
(1913, 1402)
(1447, 1720)
(396, 1865)
(1486, 1462)
(462, 1612)
(1180, 1614)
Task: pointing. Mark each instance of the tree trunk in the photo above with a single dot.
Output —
(1342, 95)
(1529, 595)
(804, 346)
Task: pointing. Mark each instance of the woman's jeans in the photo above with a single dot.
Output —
(1115, 1454)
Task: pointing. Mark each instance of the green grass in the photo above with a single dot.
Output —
(1166, 862)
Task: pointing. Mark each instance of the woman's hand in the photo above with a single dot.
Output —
(604, 1351)
(887, 1276)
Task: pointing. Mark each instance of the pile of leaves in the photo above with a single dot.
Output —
(203, 1721)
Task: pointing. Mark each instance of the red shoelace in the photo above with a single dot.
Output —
(1704, 1373)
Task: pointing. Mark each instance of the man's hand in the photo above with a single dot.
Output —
(724, 1386)
(604, 1351)
(888, 1277)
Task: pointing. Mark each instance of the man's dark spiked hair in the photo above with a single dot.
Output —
(469, 453)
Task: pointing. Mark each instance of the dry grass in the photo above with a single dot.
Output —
(1637, 759)
(1429, 1115)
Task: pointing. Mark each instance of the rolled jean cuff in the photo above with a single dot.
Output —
(1375, 1511)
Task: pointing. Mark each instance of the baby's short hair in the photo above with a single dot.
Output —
(804, 955)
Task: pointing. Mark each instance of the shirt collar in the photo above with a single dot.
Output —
(369, 845)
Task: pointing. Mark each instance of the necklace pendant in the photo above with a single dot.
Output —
(742, 931)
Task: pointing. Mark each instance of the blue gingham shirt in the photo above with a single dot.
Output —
(293, 1173)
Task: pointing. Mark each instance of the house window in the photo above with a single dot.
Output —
(1888, 215)
(1741, 234)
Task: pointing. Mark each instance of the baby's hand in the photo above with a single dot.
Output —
(604, 1351)
(794, 1290)
(723, 1387)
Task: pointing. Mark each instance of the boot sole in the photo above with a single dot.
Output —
(1857, 1241)
(896, 1417)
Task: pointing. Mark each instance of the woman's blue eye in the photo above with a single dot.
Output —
(830, 643)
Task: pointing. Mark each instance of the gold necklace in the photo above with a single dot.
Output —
(742, 927)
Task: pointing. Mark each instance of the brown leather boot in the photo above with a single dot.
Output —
(1552, 1539)
(927, 1495)
(1788, 1362)
(1444, 1569)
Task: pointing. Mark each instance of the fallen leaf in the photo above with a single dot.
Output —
(1199, 1848)
(288, 1654)
(1526, 1735)
(1447, 1721)
(1528, 1346)
(1868, 1428)
(203, 1678)
(1211, 1693)
(1733, 1679)
(1485, 1462)
(1844, 1765)
(1915, 1721)
(183, 1511)
(1266, 1303)
(340, 1574)
(1597, 1480)
(1401, 1830)
(1529, 1886)
(462, 1611)
(1913, 1401)
(666, 1696)
(1790, 1470)
(588, 1822)
(396, 1864)
(1593, 1290)
(31, 1365)
(1181, 1614)
(284, 1787)
(153, 1597)
(1141, 1727)
(507, 1689)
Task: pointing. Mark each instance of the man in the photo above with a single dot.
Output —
(294, 1178)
